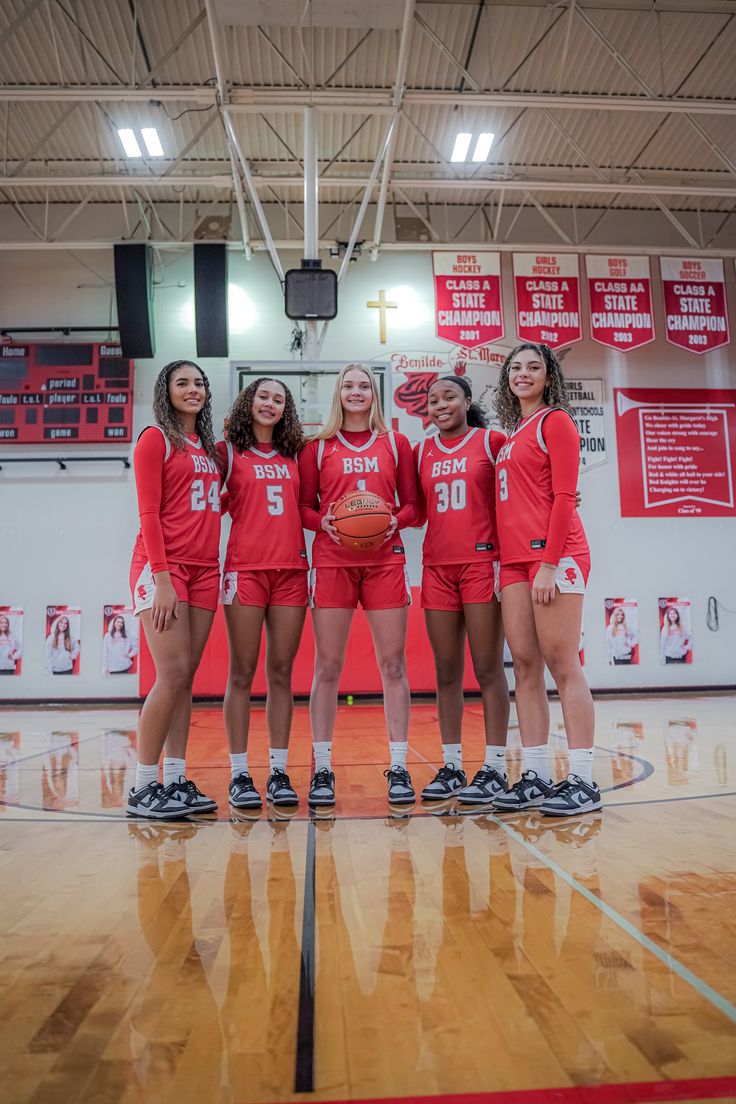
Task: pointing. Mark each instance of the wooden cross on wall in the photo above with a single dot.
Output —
(381, 304)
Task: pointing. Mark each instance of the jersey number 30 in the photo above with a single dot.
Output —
(200, 498)
(450, 496)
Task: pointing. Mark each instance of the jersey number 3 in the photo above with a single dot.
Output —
(200, 498)
(503, 484)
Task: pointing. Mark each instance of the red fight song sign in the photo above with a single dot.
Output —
(620, 292)
(547, 289)
(695, 303)
(676, 452)
(467, 293)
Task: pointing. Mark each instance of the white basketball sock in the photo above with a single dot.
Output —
(452, 755)
(277, 758)
(399, 749)
(174, 769)
(145, 775)
(238, 764)
(535, 759)
(581, 763)
(323, 755)
(495, 758)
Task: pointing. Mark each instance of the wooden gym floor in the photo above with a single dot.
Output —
(373, 954)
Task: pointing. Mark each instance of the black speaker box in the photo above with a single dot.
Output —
(210, 298)
(310, 293)
(134, 298)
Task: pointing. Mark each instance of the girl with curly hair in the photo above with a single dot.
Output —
(545, 562)
(357, 451)
(265, 576)
(174, 579)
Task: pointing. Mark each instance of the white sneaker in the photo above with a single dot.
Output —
(154, 803)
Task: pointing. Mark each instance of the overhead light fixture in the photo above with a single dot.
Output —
(130, 143)
(461, 147)
(153, 142)
(482, 146)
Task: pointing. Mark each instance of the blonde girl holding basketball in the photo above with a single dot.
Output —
(357, 451)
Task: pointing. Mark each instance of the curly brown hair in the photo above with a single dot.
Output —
(288, 435)
(506, 403)
(167, 418)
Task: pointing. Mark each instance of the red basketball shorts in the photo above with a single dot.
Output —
(452, 586)
(375, 588)
(193, 583)
(265, 587)
(571, 575)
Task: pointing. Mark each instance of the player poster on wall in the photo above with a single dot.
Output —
(675, 631)
(120, 641)
(622, 632)
(11, 640)
(63, 640)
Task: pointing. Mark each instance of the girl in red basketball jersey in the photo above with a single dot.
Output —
(174, 578)
(545, 563)
(457, 478)
(356, 451)
(265, 577)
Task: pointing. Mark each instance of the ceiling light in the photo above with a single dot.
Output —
(482, 146)
(130, 143)
(153, 142)
(461, 147)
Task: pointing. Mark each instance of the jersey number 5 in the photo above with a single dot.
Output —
(275, 495)
(200, 499)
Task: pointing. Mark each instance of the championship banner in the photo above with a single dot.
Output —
(676, 452)
(467, 293)
(586, 406)
(547, 291)
(675, 631)
(620, 293)
(695, 303)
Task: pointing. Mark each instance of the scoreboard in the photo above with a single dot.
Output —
(68, 393)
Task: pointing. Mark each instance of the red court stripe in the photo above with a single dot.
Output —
(642, 1092)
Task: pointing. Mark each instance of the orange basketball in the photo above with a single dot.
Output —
(361, 520)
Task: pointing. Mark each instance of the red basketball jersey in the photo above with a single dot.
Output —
(263, 499)
(524, 495)
(458, 482)
(344, 467)
(189, 502)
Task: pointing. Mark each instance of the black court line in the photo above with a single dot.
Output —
(304, 1069)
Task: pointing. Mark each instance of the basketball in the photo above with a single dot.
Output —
(361, 520)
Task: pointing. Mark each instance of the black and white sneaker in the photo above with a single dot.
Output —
(400, 789)
(243, 794)
(447, 782)
(487, 784)
(187, 792)
(154, 803)
(322, 788)
(528, 793)
(572, 797)
(279, 790)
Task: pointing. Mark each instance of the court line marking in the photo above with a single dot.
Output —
(304, 1067)
(673, 964)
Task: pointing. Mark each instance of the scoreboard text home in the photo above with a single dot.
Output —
(51, 393)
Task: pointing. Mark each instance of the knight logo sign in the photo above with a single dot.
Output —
(467, 291)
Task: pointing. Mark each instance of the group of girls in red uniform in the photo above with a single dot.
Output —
(504, 554)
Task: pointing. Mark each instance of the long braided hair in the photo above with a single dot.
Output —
(167, 417)
(288, 435)
(507, 405)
